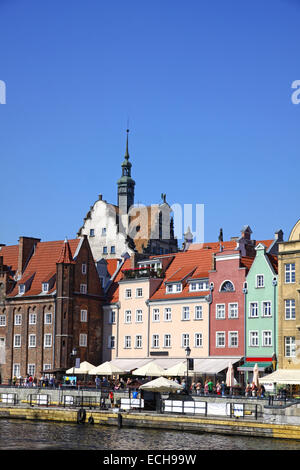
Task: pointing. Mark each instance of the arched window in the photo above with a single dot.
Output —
(227, 286)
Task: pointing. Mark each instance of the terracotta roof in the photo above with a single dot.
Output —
(112, 265)
(43, 262)
(113, 291)
(65, 255)
(10, 256)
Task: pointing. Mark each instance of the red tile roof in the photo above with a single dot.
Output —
(113, 291)
(112, 266)
(10, 256)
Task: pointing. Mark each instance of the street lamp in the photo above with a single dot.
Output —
(187, 353)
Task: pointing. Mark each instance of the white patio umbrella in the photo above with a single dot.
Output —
(84, 368)
(230, 376)
(255, 375)
(162, 385)
(149, 370)
(107, 368)
(178, 370)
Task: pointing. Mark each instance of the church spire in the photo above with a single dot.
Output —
(126, 183)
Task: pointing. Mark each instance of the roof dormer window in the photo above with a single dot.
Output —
(198, 286)
(45, 287)
(174, 288)
(21, 289)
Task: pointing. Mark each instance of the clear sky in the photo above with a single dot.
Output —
(205, 84)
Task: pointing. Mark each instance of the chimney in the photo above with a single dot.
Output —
(26, 249)
(279, 235)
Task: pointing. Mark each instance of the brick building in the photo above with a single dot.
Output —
(51, 302)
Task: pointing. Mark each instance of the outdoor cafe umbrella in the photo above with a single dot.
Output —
(149, 370)
(255, 375)
(84, 368)
(178, 370)
(230, 376)
(161, 385)
(107, 368)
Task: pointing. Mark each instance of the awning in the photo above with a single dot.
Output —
(282, 376)
(214, 365)
(248, 366)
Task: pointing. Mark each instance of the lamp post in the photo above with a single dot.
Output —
(187, 353)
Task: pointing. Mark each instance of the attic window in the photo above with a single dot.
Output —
(227, 286)
(172, 288)
(21, 289)
(45, 287)
(198, 286)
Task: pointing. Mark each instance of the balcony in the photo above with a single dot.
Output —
(138, 273)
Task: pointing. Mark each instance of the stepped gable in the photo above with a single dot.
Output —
(42, 265)
(10, 257)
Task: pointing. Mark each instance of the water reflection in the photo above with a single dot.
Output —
(23, 435)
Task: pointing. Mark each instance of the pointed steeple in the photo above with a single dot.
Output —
(126, 183)
(65, 256)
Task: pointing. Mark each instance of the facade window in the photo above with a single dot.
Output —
(112, 249)
(103, 231)
(127, 342)
(104, 250)
(155, 341)
(2, 342)
(32, 319)
(220, 339)
(266, 309)
(139, 292)
(127, 293)
(220, 311)
(168, 314)
(48, 318)
(83, 289)
(45, 287)
(253, 309)
(18, 319)
(112, 316)
(47, 367)
(139, 316)
(198, 312)
(16, 370)
(233, 310)
(290, 309)
(290, 273)
(198, 286)
(233, 339)
(253, 338)
(185, 313)
(2, 320)
(83, 268)
(227, 286)
(138, 341)
(267, 338)
(17, 341)
(83, 315)
(31, 369)
(22, 289)
(260, 280)
(155, 314)
(111, 342)
(198, 340)
(185, 340)
(92, 232)
(167, 341)
(47, 340)
(290, 346)
(32, 341)
(173, 288)
(83, 340)
(127, 316)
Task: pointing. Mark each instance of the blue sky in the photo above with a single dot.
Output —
(206, 86)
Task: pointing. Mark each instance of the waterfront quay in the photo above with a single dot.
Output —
(231, 415)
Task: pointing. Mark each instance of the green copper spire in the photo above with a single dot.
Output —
(126, 183)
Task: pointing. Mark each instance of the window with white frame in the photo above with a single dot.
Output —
(45, 287)
(127, 293)
(227, 286)
(47, 340)
(267, 338)
(127, 342)
(290, 273)
(167, 340)
(47, 367)
(2, 341)
(198, 286)
(185, 313)
(259, 280)
(16, 370)
(173, 288)
(83, 268)
(253, 338)
(31, 369)
(138, 341)
(233, 339)
(290, 309)
(233, 310)
(32, 319)
(220, 339)
(18, 319)
(83, 315)
(112, 316)
(198, 312)
(155, 341)
(253, 313)
(185, 340)
(290, 346)
(111, 342)
(266, 308)
(21, 289)
(198, 340)
(220, 311)
(48, 318)
(17, 341)
(127, 316)
(168, 314)
(155, 315)
(2, 320)
(139, 292)
(139, 316)
(83, 340)
(83, 289)
(32, 341)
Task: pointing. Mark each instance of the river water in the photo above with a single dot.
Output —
(36, 435)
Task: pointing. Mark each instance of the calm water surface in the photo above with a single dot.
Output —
(23, 435)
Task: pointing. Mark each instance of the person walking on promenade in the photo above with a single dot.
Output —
(218, 388)
(206, 389)
(198, 388)
(253, 389)
(247, 390)
(14, 380)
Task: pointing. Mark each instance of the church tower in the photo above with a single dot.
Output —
(126, 184)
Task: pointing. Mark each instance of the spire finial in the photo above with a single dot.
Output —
(127, 153)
